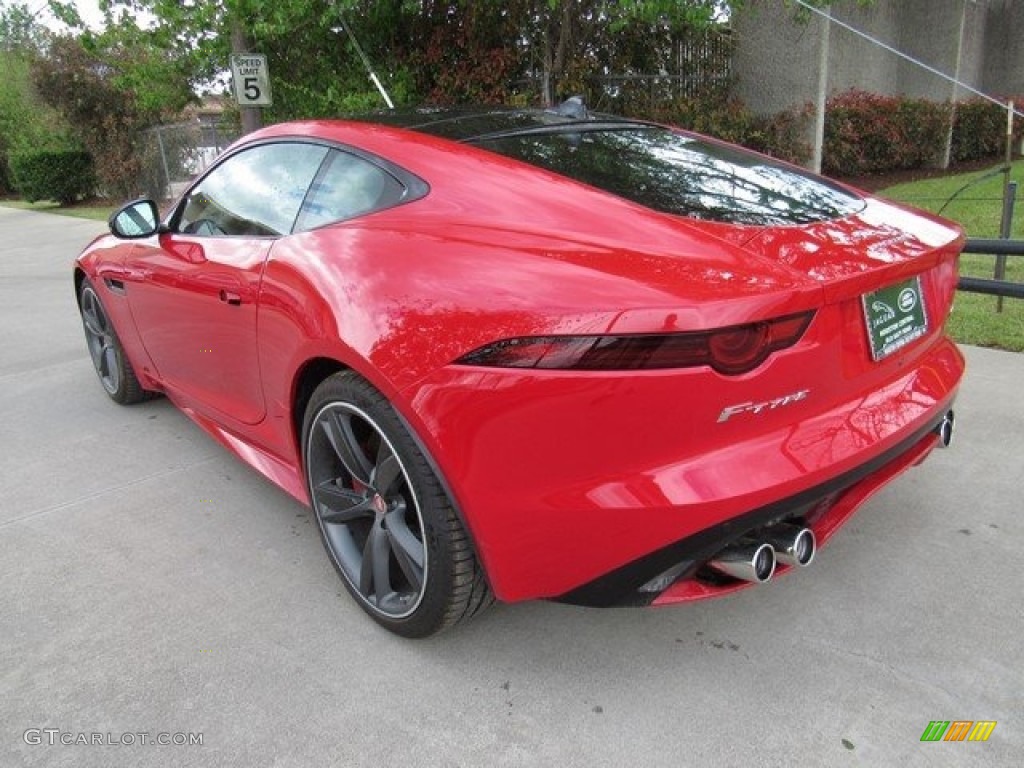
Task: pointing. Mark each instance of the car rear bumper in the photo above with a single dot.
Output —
(583, 487)
(823, 509)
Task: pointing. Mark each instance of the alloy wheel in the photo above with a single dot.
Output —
(367, 509)
(100, 338)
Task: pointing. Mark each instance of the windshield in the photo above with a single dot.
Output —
(680, 174)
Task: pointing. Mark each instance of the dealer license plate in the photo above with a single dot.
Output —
(895, 317)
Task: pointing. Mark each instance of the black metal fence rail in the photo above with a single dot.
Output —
(1000, 249)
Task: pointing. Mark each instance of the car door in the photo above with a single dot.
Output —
(194, 291)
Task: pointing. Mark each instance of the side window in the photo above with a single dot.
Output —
(257, 192)
(348, 186)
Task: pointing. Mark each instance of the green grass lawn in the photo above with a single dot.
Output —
(96, 212)
(979, 210)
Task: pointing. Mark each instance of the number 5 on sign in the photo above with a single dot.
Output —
(251, 78)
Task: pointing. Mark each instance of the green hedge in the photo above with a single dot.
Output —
(979, 130)
(782, 135)
(5, 180)
(61, 175)
(868, 133)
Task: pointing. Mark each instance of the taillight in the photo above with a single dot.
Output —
(733, 350)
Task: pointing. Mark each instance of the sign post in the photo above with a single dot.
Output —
(251, 78)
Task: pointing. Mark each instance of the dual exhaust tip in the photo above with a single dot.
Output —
(754, 560)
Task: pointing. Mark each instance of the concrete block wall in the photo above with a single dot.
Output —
(852, 60)
(1004, 69)
(778, 59)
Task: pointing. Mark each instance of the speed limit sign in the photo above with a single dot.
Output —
(251, 78)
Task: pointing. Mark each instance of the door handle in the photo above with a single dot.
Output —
(230, 298)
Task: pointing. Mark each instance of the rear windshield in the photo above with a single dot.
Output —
(681, 174)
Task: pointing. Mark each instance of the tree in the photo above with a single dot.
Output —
(93, 91)
(25, 121)
(574, 39)
(109, 86)
(446, 51)
(436, 50)
(19, 30)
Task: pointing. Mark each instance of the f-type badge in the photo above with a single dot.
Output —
(758, 408)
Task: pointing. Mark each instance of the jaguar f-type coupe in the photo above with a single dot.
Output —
(524, 354)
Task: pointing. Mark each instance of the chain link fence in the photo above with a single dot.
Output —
(173, 155)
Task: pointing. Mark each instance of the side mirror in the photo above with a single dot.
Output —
(137, 219)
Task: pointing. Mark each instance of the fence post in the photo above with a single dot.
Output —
(163, 160)
(1005, 233)
(822, 97)
(1009, 194)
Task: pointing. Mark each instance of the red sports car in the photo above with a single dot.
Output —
(536, 354)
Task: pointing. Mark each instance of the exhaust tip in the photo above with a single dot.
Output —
(793, 544)
(746, 560)
(946, 429)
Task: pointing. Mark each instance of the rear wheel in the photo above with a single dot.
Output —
(115, 372)
(385, 520)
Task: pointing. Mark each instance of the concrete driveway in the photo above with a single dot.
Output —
(151, 584)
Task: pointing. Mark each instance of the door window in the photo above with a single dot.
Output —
(256, 193)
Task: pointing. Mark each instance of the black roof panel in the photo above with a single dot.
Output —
(470, 123)
(670, 171)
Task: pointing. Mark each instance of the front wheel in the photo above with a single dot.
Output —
(108, 358)
(385, 520)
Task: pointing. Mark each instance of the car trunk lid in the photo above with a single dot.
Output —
(849, 257)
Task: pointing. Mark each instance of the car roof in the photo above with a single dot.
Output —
(470, 124)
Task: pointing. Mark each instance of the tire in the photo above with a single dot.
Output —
(108, 358)
(385, 520)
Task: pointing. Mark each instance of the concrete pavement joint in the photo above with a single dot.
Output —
(41, 369)
(884, 665)
(107, 491)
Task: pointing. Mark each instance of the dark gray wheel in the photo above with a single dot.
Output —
(108, 358)
(385, 520)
